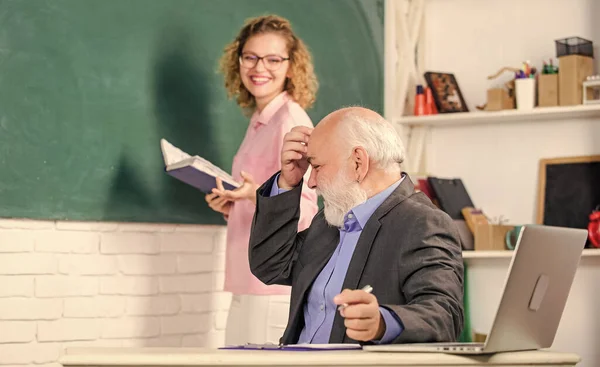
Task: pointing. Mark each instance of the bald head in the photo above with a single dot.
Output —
(356, 111)
(346, 128)
(355, 153)
(331, 122)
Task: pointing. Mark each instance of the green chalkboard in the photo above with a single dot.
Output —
(88, 88)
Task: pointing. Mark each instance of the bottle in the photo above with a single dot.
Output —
(419, 101)
(430, 108)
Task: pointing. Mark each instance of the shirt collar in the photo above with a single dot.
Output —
(362, 212)
(270, 109)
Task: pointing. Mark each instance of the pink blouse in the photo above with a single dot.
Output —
(260, 156)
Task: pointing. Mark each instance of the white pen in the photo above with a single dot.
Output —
(367, 288)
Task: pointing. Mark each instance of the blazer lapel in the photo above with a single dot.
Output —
(321, 253)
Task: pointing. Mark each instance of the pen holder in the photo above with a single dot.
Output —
(525, 91)
(548, 90)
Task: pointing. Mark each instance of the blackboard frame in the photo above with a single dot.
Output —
(543, 167)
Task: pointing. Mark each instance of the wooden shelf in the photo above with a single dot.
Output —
(500, 117)
(508, 254)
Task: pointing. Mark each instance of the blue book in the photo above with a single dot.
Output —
(194, 170)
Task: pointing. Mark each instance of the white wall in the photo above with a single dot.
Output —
(499, 163)
(108, 284)
(472, 39)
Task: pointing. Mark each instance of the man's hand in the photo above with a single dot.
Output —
(363, 320)
(293, 157)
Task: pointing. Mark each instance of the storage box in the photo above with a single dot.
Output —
(572, 71)
(491, 237)
(548, 90)
(499, 99)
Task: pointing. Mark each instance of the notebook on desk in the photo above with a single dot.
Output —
(294, 347)
(536, 289)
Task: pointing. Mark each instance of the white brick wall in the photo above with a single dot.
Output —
(66, 284)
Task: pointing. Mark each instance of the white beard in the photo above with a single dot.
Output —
(340, 196)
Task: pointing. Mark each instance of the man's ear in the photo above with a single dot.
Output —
(361, 162)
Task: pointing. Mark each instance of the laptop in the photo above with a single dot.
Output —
(535, 292)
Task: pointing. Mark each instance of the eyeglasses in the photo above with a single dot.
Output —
(271, 62)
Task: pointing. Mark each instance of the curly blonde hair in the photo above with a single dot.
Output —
(301, 86)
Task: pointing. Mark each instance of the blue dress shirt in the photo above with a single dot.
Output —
(319, 310)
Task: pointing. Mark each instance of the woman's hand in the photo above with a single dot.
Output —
(219, 203)
(246, 191)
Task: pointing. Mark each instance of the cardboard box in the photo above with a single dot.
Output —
(548, 90)
(572, 71)
(499, 99)
(491, 237)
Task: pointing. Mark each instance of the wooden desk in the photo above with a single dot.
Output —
(212, 357)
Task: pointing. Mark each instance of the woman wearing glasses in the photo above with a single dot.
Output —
(269, 69)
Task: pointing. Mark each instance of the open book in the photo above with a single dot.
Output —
(194, 171)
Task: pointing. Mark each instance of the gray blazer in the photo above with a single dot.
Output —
(409, 251)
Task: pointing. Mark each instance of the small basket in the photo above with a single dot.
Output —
(574, 46)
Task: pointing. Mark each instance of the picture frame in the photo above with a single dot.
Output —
(446, 92)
